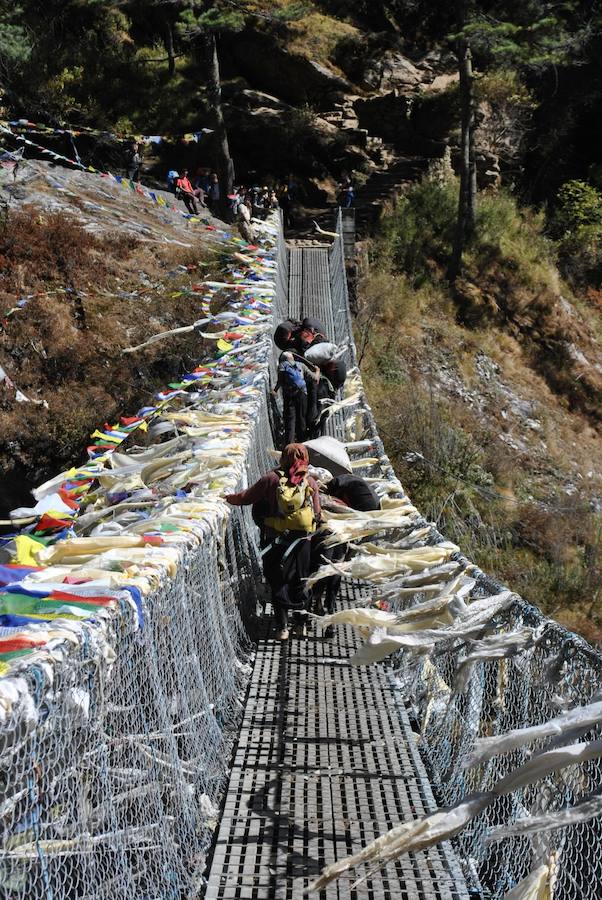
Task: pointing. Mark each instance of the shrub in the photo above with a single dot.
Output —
(578, 204)
(421, 228)
(508, 104)
(418, 237)
(578, 223)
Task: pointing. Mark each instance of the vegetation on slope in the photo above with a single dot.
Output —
(493, 430)
(86, 298)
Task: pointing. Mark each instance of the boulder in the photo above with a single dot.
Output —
(386, 116)
(438, 63)
(434, 116)
(259, 100)
(274, 140)
(391, 71)
(392, 117)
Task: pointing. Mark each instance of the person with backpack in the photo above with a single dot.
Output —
(346, 194)
(286, 205)
(172, 177)
(243, 219)
(213, 193)
(294, 377)
(342, 490)
(286, 506)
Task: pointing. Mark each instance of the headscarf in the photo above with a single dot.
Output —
(295, 461)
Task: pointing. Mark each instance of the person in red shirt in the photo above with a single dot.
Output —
(286, 539)
(187, 193)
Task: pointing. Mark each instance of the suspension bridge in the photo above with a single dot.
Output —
(174, 750)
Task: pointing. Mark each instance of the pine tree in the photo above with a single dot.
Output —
(530, 35)
(15, 45)
(202, 22)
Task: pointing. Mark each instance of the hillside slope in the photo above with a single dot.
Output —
(494, 432)
(90, 267)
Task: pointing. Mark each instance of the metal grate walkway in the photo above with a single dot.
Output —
(326, 759)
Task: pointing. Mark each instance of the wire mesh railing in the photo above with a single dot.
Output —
(558, 672)
(115, 745)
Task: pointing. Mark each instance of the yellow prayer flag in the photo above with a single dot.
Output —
(27, 550)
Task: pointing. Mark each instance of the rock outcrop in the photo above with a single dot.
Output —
(270, 67)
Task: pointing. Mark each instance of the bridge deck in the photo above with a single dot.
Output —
(326, 759)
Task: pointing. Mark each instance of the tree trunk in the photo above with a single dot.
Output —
(225, 165)
(467, 200)
(169, 48)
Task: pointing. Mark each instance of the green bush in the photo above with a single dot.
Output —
(417, 238)
(579, 204)
(578, 224)
(421, 229)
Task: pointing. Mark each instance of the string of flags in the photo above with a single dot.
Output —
(154, 196)
(102, 535)
(25, 126)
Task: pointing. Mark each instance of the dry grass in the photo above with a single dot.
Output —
(316, 35)
(507, 509)
(65, 348)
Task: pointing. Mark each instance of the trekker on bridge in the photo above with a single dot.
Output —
(342, 490)
(297, 379)
(286, 506)
(346, 194)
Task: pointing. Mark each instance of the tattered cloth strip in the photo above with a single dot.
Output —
(390, 636)
(587, 809)
(411, 836)
(19, 396)
(538, 885)
(444, 824)
(496, 646)
(440, 610)
(346, 525)
(378, 563)
(563, 726)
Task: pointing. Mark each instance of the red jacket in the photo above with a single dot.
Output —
(184, 185)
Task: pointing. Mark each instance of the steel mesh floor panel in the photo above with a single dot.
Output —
(295, 283)
(325, 763)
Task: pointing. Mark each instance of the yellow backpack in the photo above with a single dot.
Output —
(295, 507)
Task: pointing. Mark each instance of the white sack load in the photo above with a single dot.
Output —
(328, 453)
(318, 354)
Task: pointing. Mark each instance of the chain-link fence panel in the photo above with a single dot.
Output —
(558, 672)
(115, 745)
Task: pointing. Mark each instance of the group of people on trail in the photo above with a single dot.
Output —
(310, 371)
(202, 191)
(288, 502)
